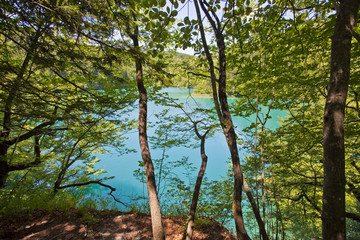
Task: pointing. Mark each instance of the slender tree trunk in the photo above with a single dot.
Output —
(255, 146)
(223, 112)
(238, 184)
(277, 222)
(204, 158)
(4, 166)
(157, 227)
(256, 211)
(161, 167)
(222, 109)
(262, 176)
(333, 213)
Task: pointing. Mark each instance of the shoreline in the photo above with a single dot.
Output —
(198, 95)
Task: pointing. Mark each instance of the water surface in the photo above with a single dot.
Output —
(123, 166)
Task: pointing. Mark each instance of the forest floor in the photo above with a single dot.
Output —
(95, 224)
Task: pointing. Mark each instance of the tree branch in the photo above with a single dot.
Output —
(33, 132)
(353, 163)
(352, 216)
(95, 182)
(199, 74)
(34, 163)
(356, 101)
(355, 191)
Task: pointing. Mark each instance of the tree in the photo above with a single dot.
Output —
(219, 92)
(191, 220)
(157, 228)
(296, 78)
(48, 70)
(131, 14)
(333, 212)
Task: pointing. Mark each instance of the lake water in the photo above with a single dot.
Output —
(122, 167)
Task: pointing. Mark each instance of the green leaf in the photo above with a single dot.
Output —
(174, 13)
(187, 21)
(228, 15)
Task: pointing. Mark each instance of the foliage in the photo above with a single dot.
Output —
(53, 116)
(67, 90)
(284, 61)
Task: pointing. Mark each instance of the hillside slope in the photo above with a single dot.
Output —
(93, 224)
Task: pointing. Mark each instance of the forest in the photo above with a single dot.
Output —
(72, 72)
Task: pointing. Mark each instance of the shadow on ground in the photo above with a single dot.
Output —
(92, 224)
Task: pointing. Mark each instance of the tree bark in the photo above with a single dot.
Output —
(256, 211)
(4, 166)
(157, 227)
(194, 201)
(223, 112)
(222, 109)
(333, 212)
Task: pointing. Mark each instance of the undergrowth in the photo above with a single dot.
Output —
(64, 201)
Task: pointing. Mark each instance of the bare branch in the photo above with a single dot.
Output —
(356, 101)
(95, 182)
(352, 216)
(199, 74)
(353, 163)
(356, 35)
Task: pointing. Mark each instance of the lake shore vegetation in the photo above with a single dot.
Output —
(74, 72)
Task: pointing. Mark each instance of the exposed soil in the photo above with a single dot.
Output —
(105, 224)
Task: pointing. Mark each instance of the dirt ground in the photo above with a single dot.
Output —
(92, 224)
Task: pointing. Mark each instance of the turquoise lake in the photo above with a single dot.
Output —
(122, 167)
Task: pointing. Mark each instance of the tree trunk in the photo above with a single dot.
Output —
(5, 132)
(256, 211)
(157, 228)
(204, 158)
(262, 177)
(238, 183)
(223, 113)
(333, 213)
(4, 166)
(14, 89)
